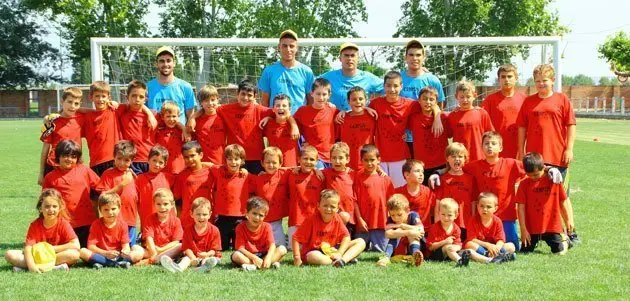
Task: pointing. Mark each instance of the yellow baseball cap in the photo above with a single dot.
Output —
(347, 45)
(289, 34)
(166, 49)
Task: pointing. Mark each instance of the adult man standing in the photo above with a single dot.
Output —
(350, 76)
(167, 87)
(286, 76)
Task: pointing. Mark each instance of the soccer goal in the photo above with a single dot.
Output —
(225, 62)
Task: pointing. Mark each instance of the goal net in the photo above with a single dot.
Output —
(225, 62)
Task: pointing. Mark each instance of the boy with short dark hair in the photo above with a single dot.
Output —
(210, 129)
(135, 126)
(419, 197)
(192, 182)
(148, 182)
(278, 131)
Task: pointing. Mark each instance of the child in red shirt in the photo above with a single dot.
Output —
(52, 227)
(148, 182)
(542, 207)
(273, 187)
(278, 131)
(503, 107)
(254, 245)
(404, 230)
(340, 178)
(231, 189)
(486, 238)
(67, 126)
(420, 198)
(201, 245)
(468, 123)
(323, 238)
(316, 122)
(210, 129)
(194, 181)
(304, 189)
(108, 244)
(170, 135)
(394, 112)
(443, 240)
(427, 147)
(358, 126)
(163, 232)
(120, 179)
(74, 181)
(135, 126)
(372, 192)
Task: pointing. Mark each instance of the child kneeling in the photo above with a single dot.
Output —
(315, 240)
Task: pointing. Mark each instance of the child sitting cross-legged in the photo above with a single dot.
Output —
(404, 230)
(443, 240)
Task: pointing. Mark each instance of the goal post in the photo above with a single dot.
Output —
(217, 60)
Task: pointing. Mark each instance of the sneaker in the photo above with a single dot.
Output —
(418, 258)
(208, 265)
(62, 267)
(18, 269)
(500, 258)
(353, 261)
(465, 258)
(124, 264)
(339, 263)
(383, 262)
(509, 256)
(97, 266)
(169, 264)
(275, 265)
(249, 267)
(573, 237)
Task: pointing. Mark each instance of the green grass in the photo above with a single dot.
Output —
(595, 269)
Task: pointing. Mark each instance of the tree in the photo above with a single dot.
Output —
(616, 50)
(83, 19)
(23, 53)
(608, 81)
(583, 80)
(469, 18)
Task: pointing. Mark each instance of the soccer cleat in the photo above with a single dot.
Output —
(249, 267)
(500, 258)
(275, 265)
(465, 258)
(383, 262)
(208, 265)
(573, 237)
(418, 258)
(169, 264)
(123, 264)
(339, 263)
(97, 266)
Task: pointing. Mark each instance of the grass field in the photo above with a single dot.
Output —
(595, 269)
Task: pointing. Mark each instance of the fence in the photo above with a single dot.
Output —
(603, 106)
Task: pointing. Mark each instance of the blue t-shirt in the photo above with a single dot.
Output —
(178, 91)
(340, 85)
(413, 85)
(295, 82)
(411, 218)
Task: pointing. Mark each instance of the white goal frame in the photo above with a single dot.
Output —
(96, 45)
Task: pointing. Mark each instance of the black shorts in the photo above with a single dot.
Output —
(437, 255)
(410, 146)
(553, 240)
(463, 235)
(99, 169)
(253, 166)
(227, 225)
(82, 233)
(429, 171)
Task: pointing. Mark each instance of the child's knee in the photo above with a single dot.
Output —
(509, 247)
(450, 248)
(281, 250)
(85, 254)
(360, 243)
(72, 255)
(13, 256)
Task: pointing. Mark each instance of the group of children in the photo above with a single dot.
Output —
(348, 185)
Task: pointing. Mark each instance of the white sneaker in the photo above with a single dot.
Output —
(275, 265)
(208, 265)
(249, 267)
(62, 267)
(169, 264)
(18, 269)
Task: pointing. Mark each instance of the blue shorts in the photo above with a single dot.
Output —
(375, 240)
(133, 236)
(139, 167)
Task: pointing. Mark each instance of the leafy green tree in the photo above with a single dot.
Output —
(22, 51)
(616, 50)
(608, 81)
(83, 19)
(583, 80)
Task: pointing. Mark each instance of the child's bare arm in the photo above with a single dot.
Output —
(251, 256)
(190, 254)
(127, 177)
(30, 261)
(151, 248)
(520, 150)
(270, 253)
(295, 131)
(361, 224)
(124, 251)
(111, 254)
(167, 246)
(447, 241)
(71, 245)
(566, 210)
(567, 156)
(42, 162)
(297, 259)
(525, 237)
(343, 247)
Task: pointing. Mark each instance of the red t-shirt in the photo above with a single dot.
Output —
(146, 184)
(468, 127)
(372, 193)
(134, 126)
(422, 203)
(242, 127)
(210, 132)
(208, 240)
(503, 111)
(391, 125)
(317, 126)
(171, 139)
(546, 121)
(304, 189)
(65, 128)
(314, 231)
(108, 238)
(230, 191)
(426, 147)
(499, 178)
(255, 242)
(542, 199)
(274, 188)
(437, 234)
(475, 229)
(190, 185)
(58, 234)
(74, 186)
(356, 131)
(102, 131)
(462, 190)
(279, 135)
(342, 183)
(128, 194)
(163, 232)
